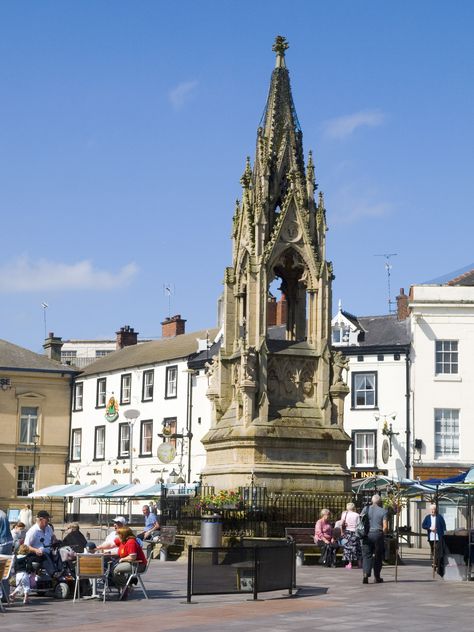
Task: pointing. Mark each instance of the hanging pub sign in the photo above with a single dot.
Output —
(111, 413)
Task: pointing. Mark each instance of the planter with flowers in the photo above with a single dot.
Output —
(225, 499)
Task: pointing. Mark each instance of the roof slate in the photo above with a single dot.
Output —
(384, 330)
(149, 352)
(15, 357)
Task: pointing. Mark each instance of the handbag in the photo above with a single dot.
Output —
(363, 526)
(344, 524)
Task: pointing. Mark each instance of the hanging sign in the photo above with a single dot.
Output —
(111, 413)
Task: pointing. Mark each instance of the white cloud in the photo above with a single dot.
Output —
(344, 126)
(23, 275)
(352, 204)
(182, 93)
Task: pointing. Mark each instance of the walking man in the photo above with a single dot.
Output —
(373, 544)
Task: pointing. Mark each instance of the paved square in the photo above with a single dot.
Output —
(329, 597)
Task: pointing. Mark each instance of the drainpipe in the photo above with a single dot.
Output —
(408, 429)
(189, 419)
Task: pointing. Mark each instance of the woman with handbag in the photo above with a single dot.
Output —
(323, 537)
(352, 552)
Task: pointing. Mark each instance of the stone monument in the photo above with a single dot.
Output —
(278, 392)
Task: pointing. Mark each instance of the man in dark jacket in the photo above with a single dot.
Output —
(436, 528)
(373, 543)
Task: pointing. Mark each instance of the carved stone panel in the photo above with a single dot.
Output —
(291, 380)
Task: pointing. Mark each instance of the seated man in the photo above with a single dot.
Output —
(39, 539)
(109, 543)
(74, 538)
(151, 524)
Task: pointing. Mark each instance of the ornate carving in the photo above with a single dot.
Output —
(280, 45)
(339, 363)
(291, 380)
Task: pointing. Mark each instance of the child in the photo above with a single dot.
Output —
(21, 567)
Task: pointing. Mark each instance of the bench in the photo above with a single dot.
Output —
(303, 537)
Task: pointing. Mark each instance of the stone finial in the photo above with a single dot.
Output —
(279, 47)
(246, 178)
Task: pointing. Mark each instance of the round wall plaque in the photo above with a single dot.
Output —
(166, 452)
(385, 451)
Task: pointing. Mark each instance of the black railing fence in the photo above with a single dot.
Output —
(259, 513)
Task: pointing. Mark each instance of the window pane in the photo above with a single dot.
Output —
(364, 389)
(28, 424)
(147, 437)
(446, 432)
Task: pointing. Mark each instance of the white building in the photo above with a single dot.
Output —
(442, 332)
(375, 414)
(154, 379)
(81, 353)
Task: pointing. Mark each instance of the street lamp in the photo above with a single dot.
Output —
(131, 416)
(36, 439)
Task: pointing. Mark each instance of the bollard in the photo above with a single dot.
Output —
(163, 554)
(299, 558)
(211, 531)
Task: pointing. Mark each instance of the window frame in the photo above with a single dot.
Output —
(30, 480)
(122, 399)
(354, 404)
(31, 429)
(438, 454)
(143, 424)
(76, 432)
(100, 381)
(366, 432)
(96, 431)
(78, 386)
(123, 426)
(446, 357)
(146, 373)
(169, 369)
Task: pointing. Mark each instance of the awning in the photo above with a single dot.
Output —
(56, 491)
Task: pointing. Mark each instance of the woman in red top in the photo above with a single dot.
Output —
(129, 551)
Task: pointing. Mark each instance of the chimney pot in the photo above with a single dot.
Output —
(126, 337)
(52, 347)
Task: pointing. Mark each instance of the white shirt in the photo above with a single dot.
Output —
(39, 539)
(110, 540)
(433, 534)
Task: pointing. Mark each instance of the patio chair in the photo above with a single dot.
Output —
(5, 565)
(90, 567)
(135, 576)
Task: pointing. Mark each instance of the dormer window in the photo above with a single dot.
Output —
(336, 335)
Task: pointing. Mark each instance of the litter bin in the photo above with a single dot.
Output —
(211, 531)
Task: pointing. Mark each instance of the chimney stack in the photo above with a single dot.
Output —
(52, 347)
(271, 311)
(126, 337)
(172, 326)
(402, 305)
(282, 310)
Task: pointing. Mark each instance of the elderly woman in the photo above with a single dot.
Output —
(74, 538)
(129, 551)
(323, 537)
(352, 552)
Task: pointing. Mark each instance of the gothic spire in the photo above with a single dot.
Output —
(280, 140)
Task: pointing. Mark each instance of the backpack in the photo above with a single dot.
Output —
(363, 526)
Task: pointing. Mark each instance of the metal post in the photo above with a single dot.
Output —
(130, 478)
(35, 442)
(255, 573)
(190, 568)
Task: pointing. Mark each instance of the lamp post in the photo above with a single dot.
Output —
(131, 416)
(36, 439)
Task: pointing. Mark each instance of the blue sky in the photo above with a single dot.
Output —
(124, 129)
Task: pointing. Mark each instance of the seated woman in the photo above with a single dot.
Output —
(74, 538)
(129, 551)
(323, 537)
